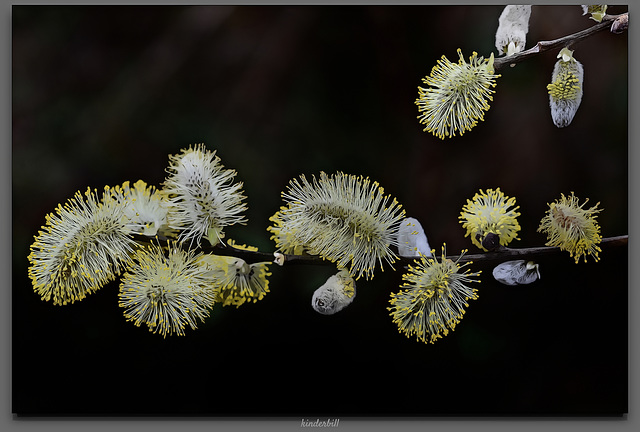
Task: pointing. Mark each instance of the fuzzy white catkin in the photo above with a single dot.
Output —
(412, 241)
(516, 272)
(565, 105)
(336, 294)
(513, 26)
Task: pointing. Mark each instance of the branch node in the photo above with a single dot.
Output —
(621, 24)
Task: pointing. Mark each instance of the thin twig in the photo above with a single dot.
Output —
(507, 254)
(501, 255)
(565, 41)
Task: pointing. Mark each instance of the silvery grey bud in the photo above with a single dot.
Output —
(513, 26)
(565, 90)
(336, 294)
(412, 241)
(516, 272)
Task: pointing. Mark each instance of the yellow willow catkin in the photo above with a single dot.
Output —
(458, 95)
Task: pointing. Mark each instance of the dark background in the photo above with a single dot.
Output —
(104, 94)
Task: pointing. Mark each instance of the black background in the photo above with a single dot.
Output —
(104, 94)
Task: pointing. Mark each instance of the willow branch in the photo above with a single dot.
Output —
(532, 253)
(565, 41)
(501, 255)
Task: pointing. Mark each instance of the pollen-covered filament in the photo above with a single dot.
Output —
(345, 219)
(564, 220)
(490, 212)
(434, 299)
(83, 246)
(166, 290)
(206, 202)
(203, 197)
(566, 87)
(350, 236)
(458, 95)
(572, 228)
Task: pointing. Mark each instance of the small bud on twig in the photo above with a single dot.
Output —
(491, 242)
(279, 258)
(620, 24)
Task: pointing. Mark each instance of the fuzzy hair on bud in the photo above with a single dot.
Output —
(565, 90)
(412, 241)
(513, 26)
(336, 294)
(516, 272)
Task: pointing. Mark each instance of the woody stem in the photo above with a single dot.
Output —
(501, 255)
(565, 41)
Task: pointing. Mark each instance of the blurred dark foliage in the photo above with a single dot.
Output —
(104, 94)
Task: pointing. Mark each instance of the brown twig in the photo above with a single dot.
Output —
(507, 254)
(565, 41)
(501, 255)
